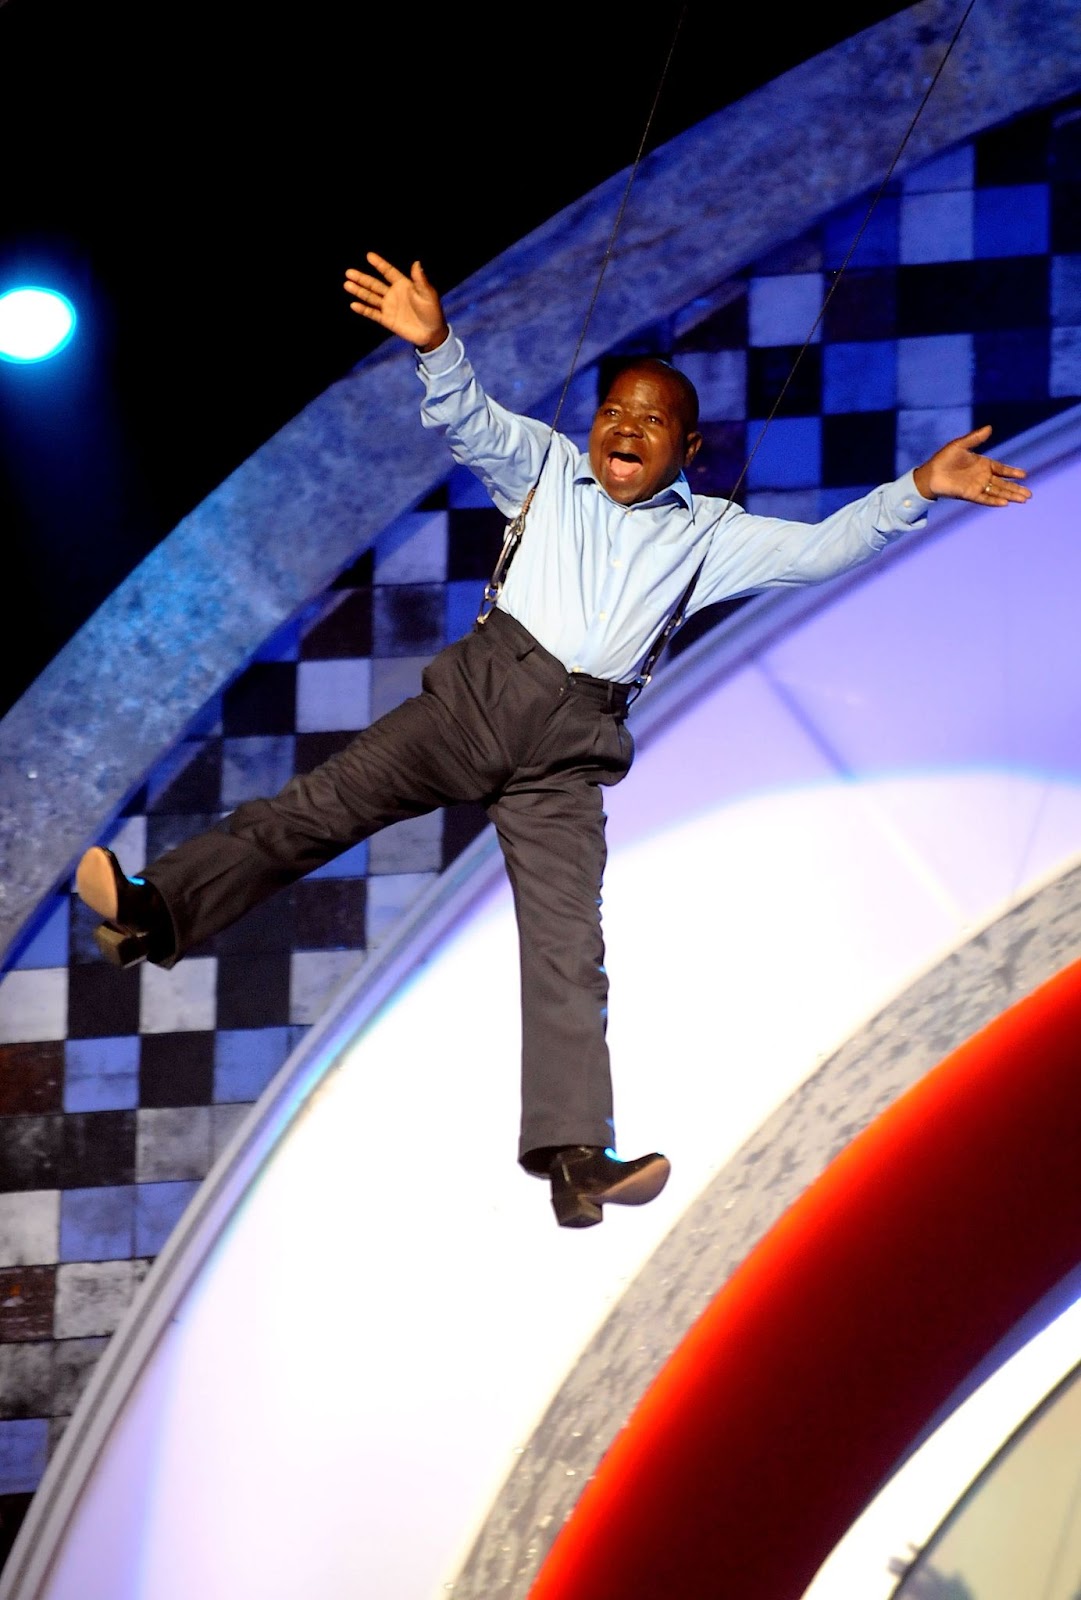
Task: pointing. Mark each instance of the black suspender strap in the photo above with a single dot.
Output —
(494, 588)
(674, 622)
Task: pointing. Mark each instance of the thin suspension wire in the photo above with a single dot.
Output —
(516, 527)
(675, 619)
(618, 223)
(512, 538)
(852, 249)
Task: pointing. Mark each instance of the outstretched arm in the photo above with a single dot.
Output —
(956, 472)
(407, 306)
(504, 450)
(776, 553)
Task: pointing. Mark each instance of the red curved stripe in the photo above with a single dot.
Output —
(853, 1321)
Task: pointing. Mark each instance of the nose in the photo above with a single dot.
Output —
(629, 426)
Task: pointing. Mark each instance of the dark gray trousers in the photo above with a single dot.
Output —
(501, 722)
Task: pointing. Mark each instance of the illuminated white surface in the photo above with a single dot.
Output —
(381, 1405)
(390, 1312)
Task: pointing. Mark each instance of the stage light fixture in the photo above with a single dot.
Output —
(35, 323)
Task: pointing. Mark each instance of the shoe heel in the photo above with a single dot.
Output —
(574, 1210)
(121, 947)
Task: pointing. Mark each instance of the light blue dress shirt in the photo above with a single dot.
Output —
(594, 581)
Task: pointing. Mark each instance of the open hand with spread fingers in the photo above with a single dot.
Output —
(957, 472)
(407, 306)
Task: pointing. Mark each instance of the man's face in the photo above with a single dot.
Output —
(639, 442)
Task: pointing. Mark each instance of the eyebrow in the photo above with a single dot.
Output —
(654, 410)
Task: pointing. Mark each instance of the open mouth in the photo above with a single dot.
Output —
(623, 464)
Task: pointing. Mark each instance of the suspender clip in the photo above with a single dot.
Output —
(636, 687)
(511, 540)
(492, 591)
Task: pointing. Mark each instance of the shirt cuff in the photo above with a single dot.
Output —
(443, 357)
(905, 500)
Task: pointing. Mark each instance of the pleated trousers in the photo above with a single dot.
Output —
(500, 722)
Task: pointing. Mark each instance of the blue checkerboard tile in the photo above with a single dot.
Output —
(23, 1454)
(862, 235)
(784, 309)
(960, 304)
(461, 604)
(859, 377)
(464, 491)
(579, 405)
(97, 1224)
(1013, 221)
(353, 864)
(245, 1060)
(786, 455)
(158, 1208)
(720, 377)
(1066, 290)
(394, 680)
(101, 1074)
(934, 371)
(333, 695)
(1010, 365)
(51, 940)
(936, 226)
(412, 550)
(1065, 374)
(921, 432)
(389, 898)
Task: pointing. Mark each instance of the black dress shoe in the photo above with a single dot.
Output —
(137, 925)
(585, 1178)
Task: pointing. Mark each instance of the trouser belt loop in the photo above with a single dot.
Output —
(613, 696)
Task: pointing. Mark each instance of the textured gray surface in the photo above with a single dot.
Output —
(964, 993)
(290, 518)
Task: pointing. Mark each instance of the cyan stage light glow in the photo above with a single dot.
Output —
(35, 324)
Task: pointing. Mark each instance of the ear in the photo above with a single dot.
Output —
(691, 446)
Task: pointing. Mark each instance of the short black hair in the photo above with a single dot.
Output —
(679, 381)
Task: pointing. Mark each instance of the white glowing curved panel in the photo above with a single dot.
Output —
(342, 1392)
